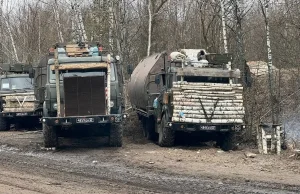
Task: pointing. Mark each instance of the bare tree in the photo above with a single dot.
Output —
(153, 9)
(56, 14)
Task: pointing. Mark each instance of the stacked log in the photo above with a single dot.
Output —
(208, 103)
(19, 103)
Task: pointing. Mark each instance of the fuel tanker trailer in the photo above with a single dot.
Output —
(188, 90)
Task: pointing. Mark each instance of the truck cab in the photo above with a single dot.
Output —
(17, 98)
(83, 88)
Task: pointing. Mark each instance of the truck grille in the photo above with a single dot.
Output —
(84, 96)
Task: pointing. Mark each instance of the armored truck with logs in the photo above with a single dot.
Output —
(189, 91)
(79, 87)
(17, 98)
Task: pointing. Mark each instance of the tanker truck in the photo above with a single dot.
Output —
(79, 89)
(188, 90)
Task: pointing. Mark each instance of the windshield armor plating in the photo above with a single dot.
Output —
(16, 83)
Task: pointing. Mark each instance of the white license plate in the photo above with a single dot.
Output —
(84, 120)
(208, 128)
(21, 114)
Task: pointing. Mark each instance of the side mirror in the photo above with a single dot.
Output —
(31, 73)
(157, 79)
(129, 69)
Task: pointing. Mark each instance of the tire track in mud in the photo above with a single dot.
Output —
(117, 175)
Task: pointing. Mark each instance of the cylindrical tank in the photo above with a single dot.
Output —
(138, 86)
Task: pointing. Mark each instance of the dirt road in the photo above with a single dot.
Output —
(138, 167)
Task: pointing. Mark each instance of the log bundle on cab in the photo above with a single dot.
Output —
(208, 103)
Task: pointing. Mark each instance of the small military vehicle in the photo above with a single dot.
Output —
(189, 90)
(80, 87)
(17, 98)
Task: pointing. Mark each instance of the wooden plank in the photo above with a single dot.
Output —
(211, 97)
(208, 104)
(80, 66)
(18, 109)
(73, 49)
(206, 92)
(219, 108)
(211, 103)
(19, 94)
(215, 121)
(208, 95)
(17, 104)
(20, 98)
(208, 72)
(179, 83)
(202, 116)
(186, 86)
(210, 112)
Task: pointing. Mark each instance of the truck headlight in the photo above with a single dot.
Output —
(112, 104)
(3, 104)
(55, 106)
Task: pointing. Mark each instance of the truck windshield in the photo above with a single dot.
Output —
(88, 73)
(15, 83)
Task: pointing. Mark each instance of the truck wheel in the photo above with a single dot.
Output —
(166, 137)
(4, 124)
(229, 141)
(50, 136)
(116, 136)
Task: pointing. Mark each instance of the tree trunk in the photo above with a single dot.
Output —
(12, 41)
(55, 9)
(224, 33)
(149, 28)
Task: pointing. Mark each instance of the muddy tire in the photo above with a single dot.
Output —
(229, 141)
(116, 136)
(50, 136)
(4, 124)
(166, 137)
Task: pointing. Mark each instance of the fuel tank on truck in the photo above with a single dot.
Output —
(142, 80)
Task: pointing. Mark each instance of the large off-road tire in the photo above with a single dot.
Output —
(116, 135)
(50, 136)
(4, 124)
(166, 137)
(229, 141)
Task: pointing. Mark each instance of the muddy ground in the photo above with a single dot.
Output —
(140, 166)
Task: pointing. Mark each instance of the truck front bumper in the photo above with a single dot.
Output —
(190, 127)
(84, 120)
(20, 114)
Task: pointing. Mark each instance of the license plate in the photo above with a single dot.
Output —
(208, 128)
(84, 120)
(21, 114)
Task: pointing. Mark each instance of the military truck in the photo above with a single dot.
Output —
(188, 90)
(17, 98)
(79, 87)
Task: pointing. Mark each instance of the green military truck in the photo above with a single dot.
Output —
(188, 91)
(79, 87)
(17, 98)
